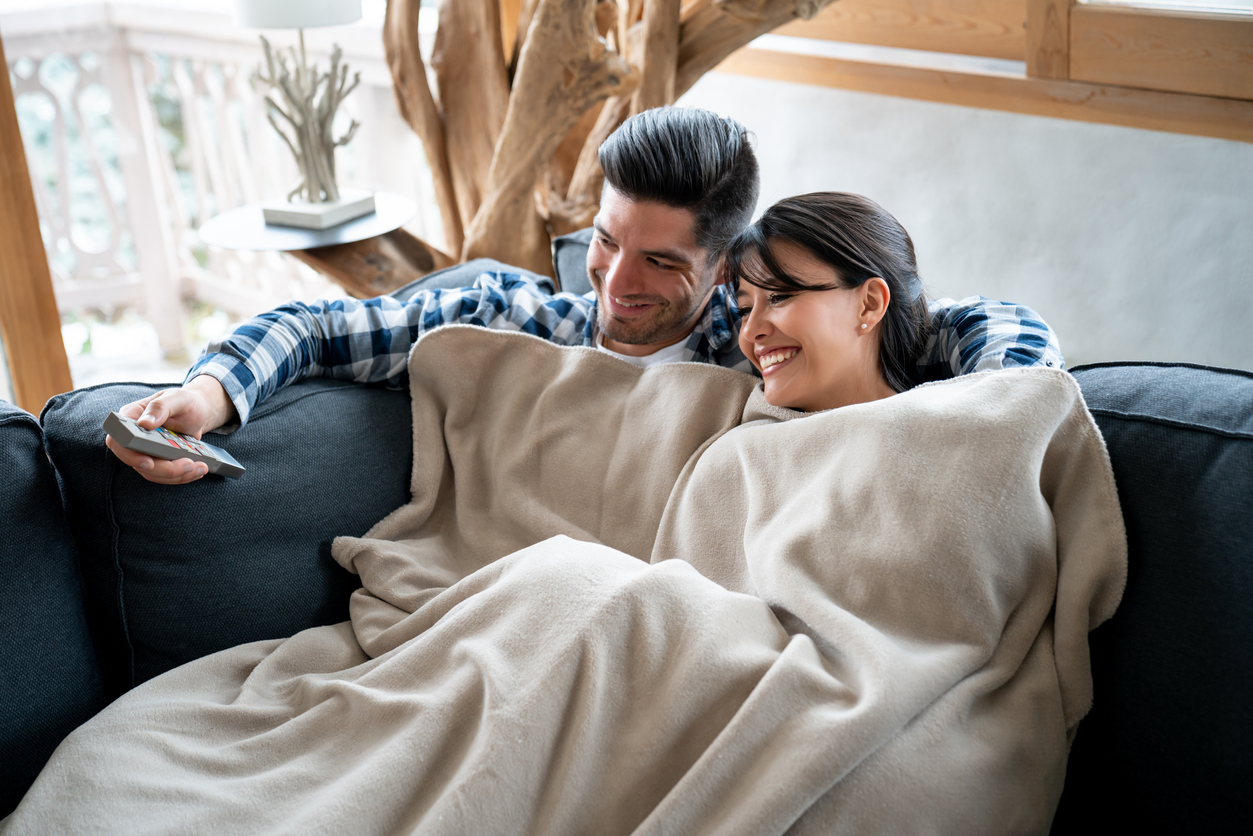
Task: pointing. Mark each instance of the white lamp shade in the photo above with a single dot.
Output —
(295, 14)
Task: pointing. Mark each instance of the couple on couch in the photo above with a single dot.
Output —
(657, 596)
(681, 184)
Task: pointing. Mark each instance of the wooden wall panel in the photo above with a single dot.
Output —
(1209, 55)
(29, 322)
(987, 28)
(1048, 39)
(1174, 112)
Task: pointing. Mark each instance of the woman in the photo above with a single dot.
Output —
(832, 306)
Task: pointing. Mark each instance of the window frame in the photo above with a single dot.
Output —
(1183, 71)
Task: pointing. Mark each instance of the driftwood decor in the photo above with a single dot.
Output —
(524, 93)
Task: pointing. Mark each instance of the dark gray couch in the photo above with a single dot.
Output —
(111, 580)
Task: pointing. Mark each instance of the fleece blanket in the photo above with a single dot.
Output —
(628, 601)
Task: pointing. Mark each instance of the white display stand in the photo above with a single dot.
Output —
(351, 205)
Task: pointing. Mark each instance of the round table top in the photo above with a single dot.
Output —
(245, 228)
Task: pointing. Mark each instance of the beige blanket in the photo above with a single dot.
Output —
(645, 601)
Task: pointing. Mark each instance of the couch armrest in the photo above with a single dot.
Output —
(1168, 746)
(50, 679)
(176, 573)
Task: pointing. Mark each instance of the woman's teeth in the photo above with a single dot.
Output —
(775, 359)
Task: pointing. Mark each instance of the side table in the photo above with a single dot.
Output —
(367, 256)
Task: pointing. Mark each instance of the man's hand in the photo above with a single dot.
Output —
(195, 408)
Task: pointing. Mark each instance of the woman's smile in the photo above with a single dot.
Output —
(771, 360)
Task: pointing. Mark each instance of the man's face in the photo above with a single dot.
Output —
(651, 279)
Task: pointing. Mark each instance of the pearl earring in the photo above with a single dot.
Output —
(863, 325)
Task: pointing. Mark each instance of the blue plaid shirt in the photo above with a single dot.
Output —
(369, 341)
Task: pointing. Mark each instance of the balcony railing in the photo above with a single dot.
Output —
(140, 122)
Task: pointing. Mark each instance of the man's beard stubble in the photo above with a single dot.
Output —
(665, 322)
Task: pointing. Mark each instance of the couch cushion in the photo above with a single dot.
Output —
(1168, 747)
(49, 672)
(175, 573)
(570, 261)
(463, 275)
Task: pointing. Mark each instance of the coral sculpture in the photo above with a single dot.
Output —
(307, 101)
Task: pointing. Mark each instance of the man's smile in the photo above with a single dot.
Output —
(629, 309)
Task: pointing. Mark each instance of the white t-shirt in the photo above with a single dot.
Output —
(669, 354)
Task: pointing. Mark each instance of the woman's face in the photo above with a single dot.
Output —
(810, 347)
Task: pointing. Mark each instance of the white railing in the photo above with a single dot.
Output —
(140, 122)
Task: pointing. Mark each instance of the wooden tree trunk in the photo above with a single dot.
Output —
(659, 56)
(564, 69)
(527, 92)
(470, 68)
(418, 108)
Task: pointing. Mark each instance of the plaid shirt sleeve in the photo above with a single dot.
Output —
(368, 341)
(977, 334)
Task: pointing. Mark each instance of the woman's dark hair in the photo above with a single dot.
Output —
(686, 158)
(860, 240)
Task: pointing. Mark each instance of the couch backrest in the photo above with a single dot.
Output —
(1168, 747)
(569, 266)
(50, 678)
(174, 574)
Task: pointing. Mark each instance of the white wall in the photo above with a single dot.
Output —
(1133, 245)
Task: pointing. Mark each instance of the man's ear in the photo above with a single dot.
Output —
(720, 271)
(875, 297)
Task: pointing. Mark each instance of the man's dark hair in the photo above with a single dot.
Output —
(686, 158)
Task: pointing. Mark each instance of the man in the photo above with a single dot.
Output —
(679, 185)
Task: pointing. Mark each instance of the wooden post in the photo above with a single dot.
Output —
(1048, 39)
(29, 323)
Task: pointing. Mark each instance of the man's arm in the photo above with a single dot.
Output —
(368, 341)
(977, 334)
(364, 341)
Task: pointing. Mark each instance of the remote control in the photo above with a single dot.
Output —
(167, 444)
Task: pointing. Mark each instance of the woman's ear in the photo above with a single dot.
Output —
(875, 297)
